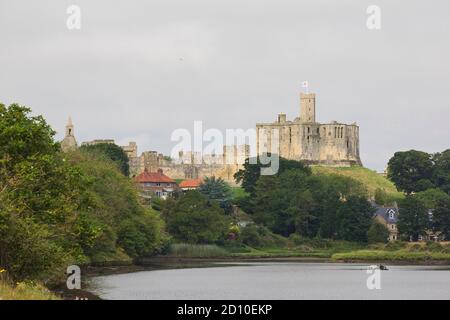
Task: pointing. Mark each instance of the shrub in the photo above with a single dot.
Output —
(258, 236)
(377, 233)
(194, 219)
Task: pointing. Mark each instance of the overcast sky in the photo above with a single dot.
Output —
(137, 70)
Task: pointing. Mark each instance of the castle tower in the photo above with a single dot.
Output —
(307, 107)
(69, 142)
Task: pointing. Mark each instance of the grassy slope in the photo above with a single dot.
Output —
(369, 178)
(25, 291)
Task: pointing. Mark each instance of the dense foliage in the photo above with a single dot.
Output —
(414, 171)
(249, 175)
(193, 218)
(441, 217)
(378, 232)
(216, 189)
(295, 201)
(113, 152)
(59, 209)
(413, 218)
(425, 178)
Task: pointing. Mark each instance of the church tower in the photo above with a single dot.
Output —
(307, 107)
(69, 142)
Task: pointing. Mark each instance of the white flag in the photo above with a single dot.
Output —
(305, 84)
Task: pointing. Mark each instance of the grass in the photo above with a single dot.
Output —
(399, 255)
(197, 250)
(25, 291)
(371, 179)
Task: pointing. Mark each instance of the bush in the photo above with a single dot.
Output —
(194, 219)
(258, 236)
(377, 233)
(142, 236)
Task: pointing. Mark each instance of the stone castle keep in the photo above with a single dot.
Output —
(331, 144)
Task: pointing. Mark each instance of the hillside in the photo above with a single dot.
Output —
(371, 179)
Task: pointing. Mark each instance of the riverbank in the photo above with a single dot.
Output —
(408, 252)
(435, 258)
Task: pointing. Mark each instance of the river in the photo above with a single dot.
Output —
(276, 280)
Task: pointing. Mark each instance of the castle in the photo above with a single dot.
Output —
(331, 144)
(189, 165)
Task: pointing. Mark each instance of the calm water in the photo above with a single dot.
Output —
(277, 280)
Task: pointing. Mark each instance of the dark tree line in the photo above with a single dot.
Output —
(294, 201)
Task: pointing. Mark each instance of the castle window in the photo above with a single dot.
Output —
(290, 134)
(308, 130)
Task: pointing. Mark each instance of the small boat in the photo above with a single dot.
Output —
(383, 267)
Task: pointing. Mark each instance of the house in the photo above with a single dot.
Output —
(155, 184)
(388, 216)
(192, 184)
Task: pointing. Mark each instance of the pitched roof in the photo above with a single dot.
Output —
(153, 177)
(385, 213)
(193, 183)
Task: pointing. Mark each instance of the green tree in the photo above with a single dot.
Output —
(354, 217)
(251, 172)
(217, 190)
(115, 211)
(411, 171)
(430, 197)
(40, 199)
(58, 209)
(377, 233)
(441, 217)
(194, 219)
(441, 172)
(413, 218)
(295, 201)
(113, 152)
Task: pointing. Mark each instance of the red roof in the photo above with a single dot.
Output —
(194, 183)
(153, 177)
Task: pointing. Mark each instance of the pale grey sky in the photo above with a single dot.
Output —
(137, 70)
